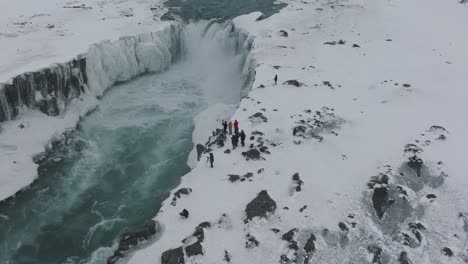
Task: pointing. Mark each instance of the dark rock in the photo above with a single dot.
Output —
(303, 208)
(264, 149)
(277, 67)
(299, 130)
(261, 17)
(380, 179)
(133, 238)
(412, 149)
(283, 33)
(260, 170)
(416, 164)
(258, 117)
(173, 256)
(381, 201)
(447, 252)
(184, 214)
(333, 43)
(293, 83)
(327, 83)
(261, 86)
(252, 154)
(227, 256)
(258, 133)
(233, 177)
(194, 249)
(403, 259)
(227, 151)
(406, 85)
(293, 245)
(388, 40)
(289, 236)
(275, 230)
(341, 42)
(297, 182)
(204, 225)
(21, 126)
(251, 241)
(179, 193)
(431, 196)
(356, 46)
(343, 226)
(200, 150)
(377, 252)
(415, 227)
(248, 175)
(309, 248)
(260, 206)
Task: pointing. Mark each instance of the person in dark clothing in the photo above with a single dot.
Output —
(211, 158)
(276, 78)
(242, 137)
(235, 141)
(225, 125)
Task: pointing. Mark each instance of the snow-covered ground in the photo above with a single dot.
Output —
(380, 82)
(36, 34)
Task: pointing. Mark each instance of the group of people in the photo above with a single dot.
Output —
(235, 137)
(227, 129)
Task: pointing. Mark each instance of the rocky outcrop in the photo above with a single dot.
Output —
(179, 193)
(260, 206)
(173, 256)
(48, 90)
(133, 238)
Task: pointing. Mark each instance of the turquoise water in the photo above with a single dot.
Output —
(136, 148)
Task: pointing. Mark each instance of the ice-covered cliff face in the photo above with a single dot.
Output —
(50, 90)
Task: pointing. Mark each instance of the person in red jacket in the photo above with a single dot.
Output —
(236, 127)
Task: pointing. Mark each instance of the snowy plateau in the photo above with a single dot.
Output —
(356, 155)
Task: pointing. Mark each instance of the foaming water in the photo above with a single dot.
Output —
(137, 143)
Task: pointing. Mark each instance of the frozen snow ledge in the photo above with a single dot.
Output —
(36, 106)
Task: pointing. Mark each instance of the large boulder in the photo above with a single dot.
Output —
(194, 249)
(200, 150)
(173, 256)
(260, 206)
(133, 238)
(252, 154)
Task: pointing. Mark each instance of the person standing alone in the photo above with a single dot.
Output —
(211, 158)
(276, 78)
